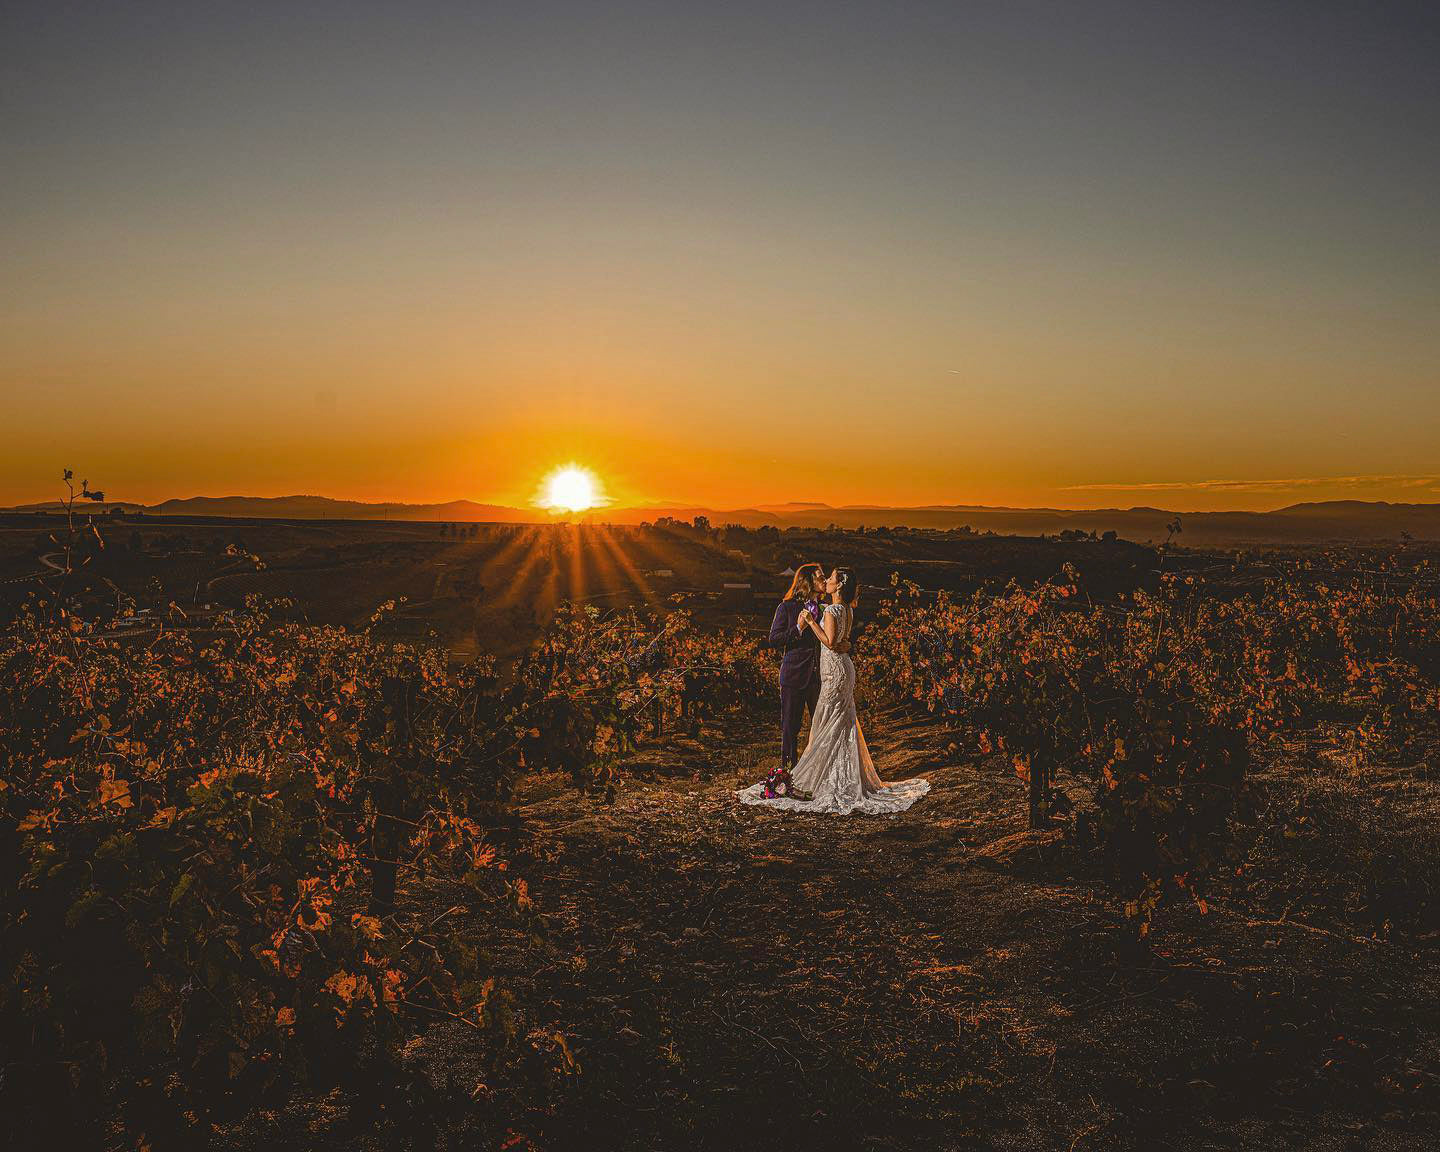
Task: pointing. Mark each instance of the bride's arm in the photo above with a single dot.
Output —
(827, 632)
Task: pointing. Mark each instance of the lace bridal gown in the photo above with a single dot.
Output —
(836, 768)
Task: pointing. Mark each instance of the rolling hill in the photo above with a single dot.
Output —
(1314, 523)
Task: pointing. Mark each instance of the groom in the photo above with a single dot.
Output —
(800, 666)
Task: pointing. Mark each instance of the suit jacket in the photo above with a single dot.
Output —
(802, 649)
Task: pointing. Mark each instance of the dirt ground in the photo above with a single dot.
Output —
(732, 978)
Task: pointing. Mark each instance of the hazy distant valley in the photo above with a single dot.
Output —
(1329, 522)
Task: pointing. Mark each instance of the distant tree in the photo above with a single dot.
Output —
(702, 524)
(444, 530)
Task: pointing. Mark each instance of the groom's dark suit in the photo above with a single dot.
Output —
(799, 674)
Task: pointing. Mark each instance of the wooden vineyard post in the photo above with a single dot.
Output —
(1039, 791)
(385, 838)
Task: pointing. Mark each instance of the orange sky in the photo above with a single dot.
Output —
(721, 256)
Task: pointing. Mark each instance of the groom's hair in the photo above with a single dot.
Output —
(804, 582)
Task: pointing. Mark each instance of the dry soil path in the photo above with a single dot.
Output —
(730, 977)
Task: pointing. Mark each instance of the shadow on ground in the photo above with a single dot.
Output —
(729, 977)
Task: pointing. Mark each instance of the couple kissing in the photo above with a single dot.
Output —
(836, 775)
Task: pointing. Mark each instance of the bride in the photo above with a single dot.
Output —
(836, 769)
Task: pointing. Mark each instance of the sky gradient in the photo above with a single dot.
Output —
(1065, 254)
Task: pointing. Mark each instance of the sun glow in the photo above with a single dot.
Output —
(571, 489)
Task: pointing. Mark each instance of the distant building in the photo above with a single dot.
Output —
(737, 595)
(666, 573)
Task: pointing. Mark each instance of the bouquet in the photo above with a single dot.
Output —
(779, 785)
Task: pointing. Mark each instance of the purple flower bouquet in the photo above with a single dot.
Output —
(778, 783)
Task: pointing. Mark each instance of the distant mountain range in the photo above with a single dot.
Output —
(1335, 520)
(310, 508)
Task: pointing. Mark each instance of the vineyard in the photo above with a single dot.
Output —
(1161, 705)
(260, 865)
(202, 843)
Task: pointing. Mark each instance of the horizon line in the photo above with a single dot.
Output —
(800, 507)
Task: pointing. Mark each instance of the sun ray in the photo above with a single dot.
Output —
(574, 557)
(615, 549)
(517, 542)
(533, 543)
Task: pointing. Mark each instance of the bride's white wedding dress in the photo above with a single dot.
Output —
(836, 768)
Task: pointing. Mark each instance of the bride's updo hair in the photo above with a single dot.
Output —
(847, 587)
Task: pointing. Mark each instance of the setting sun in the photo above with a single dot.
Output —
(571, 489)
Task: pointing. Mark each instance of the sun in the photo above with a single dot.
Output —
(571, 489)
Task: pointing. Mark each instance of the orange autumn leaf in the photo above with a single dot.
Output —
(483, 855)
(36, 819)
(115, 792)
(162, 819)
(521, 893)
(343, 986)
(321, 919)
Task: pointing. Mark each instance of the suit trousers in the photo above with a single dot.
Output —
(793, 702)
